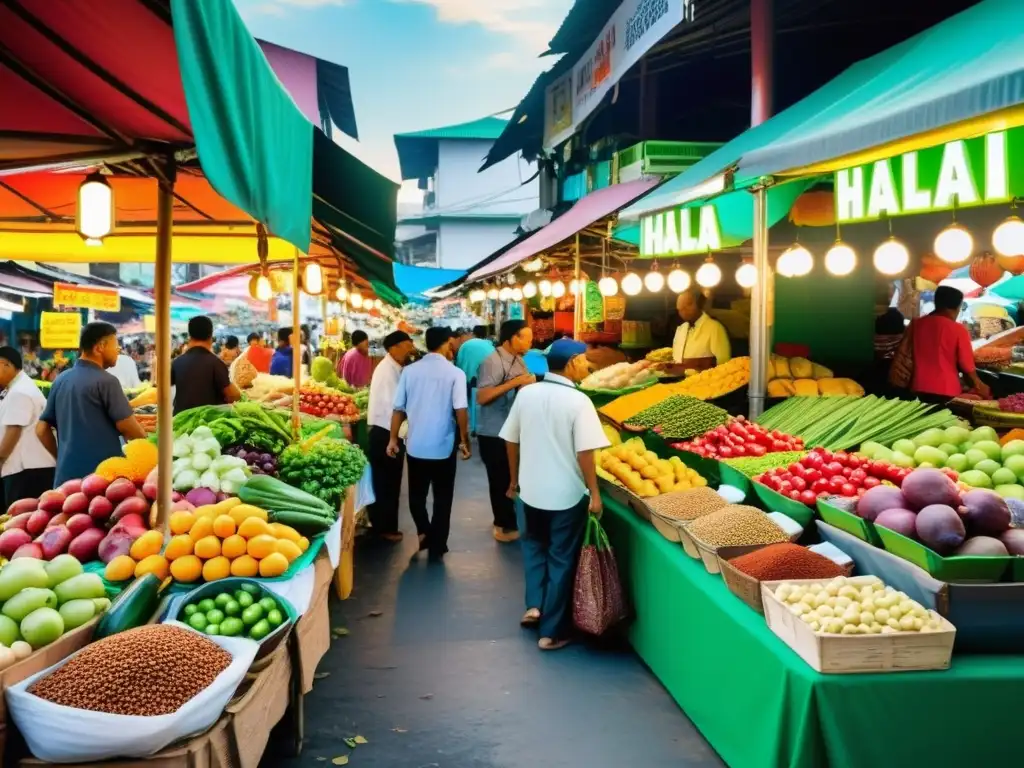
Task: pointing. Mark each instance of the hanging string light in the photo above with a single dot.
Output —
(530, 289)
(574, 287)
(654, 281)
(312, 278)
(342, 293)
(558, 289)
(378, 304)
(355, 299)
(607, 286)
(517, 293)
(260, 288)
(678, 280)
(505, 293)
(891, 257)
(477, 295)
(1008, 238)
(95, 214)
(492, 293)
(632, 284)
(746, 274)
(795, 261)
(709, 274)
(544, 286)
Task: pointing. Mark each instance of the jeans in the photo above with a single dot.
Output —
(551, 542)
(438, 474)
(494, 454)
(387, 481)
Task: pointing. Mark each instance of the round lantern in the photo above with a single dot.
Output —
(985, 270)
(934, 269)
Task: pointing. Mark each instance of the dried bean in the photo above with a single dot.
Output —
(687, 505)
(736, 525)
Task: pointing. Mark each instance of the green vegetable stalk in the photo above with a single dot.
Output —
(325, 468)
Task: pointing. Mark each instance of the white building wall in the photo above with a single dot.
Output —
(498, 190)
(461, 243)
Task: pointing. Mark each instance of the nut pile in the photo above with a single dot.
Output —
(148, 671)
(778, 562)
(736, 525)
(687, 505)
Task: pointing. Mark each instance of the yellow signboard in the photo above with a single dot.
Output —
(86, 297)
(149, 323)
(60, 330)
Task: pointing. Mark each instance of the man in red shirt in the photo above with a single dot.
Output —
(942, 351)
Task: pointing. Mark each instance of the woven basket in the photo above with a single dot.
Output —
(709, 553)
(689, 544)
(666, 526)
(745, 587)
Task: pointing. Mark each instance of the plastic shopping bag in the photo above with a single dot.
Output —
(58, 734)
(598, 602)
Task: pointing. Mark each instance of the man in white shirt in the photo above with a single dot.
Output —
(26, 466)
(386, 471)
(699, 338)
(126, 371)
(552, 433)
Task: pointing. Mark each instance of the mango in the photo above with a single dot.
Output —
(84, 586)
(75, 613)
(21, 573)
(28, 600)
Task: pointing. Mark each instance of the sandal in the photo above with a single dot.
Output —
(548, 644)
(531, 618)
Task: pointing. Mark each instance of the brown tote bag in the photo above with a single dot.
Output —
(901, 372)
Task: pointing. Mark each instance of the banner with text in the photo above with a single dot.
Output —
(86, 297)
(59, 330)
(634, 28)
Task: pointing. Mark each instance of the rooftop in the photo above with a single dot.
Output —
(417, 150)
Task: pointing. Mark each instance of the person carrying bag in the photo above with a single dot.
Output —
(598, 602)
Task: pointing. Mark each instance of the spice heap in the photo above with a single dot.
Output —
(687, 505)
(680, 417)
(752, 466)
(736, 525)
(786, 561)
(148, 671)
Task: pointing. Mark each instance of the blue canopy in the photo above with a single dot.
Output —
(415, 281)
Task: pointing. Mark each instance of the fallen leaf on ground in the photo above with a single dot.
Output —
(321, 675)
(340, 760)
(360, 740)
(339, 632)
(350, 742)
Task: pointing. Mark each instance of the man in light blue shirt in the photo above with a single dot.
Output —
(432, 395)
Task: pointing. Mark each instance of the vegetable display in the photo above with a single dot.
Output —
(680, 417)
(323, 467)
(322, 370)
(715, 382)
(248, 611)
(621, 376)
(259, 462)
(247, 422)
(326, 402)
(643, 473)
(752, 466)
(736, 525)
(740, 437)
(289, 505)
(198, 463)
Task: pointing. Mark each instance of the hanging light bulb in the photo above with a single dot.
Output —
(608, 286)
(544, 286)
(678, 280)
(355, 299)
(632, 284)
(517, 294)
(840, 259)
(312, 278)
(654, 281)
(746, 275)
(505, 293)
(574, 287)
(954, 244)
(378, 304)
(510, 278)
(530, 289)
(891, 257)
(492, 293)
(709, 274)
(558, 289)
(533, 266)
(260, 288)
(95, 215)
(795, 261)
(1008, 239)
(342, 293)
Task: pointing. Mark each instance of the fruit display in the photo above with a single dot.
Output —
(976, 455)
(814, 388)
(622, 408)
(323, 371)
(643, 473)
(259, 462)
(857, 605)
(244, 422)
(40, 601)
(323, 467)
(715, 382)
(1012, 403)
(663, 355)
(928, 507)
(845, 423)
(739, 437)
(198, 463)
(247, 611)
(139, 460)
(621, 376)
(752, 466)
(327, 403)
(679, 417)
(822, 472)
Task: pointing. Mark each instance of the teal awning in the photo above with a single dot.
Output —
(966, 72)
(413, 281)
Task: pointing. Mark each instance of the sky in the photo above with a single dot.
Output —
(416, 64)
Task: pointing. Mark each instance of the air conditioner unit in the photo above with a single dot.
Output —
(659, 158)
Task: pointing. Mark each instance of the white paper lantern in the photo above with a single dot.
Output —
(795, 261)
(632, 284)
(1008, 239)
(840, 259)
(954, 244)
(530, 290)
(608, 286)
(517, 294)
(891, 257)
(746, 275)
(678, 280)
(708, 275)
(544, 286)
(654, 281)
(558, 289)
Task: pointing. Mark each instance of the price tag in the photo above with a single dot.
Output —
(60, 330)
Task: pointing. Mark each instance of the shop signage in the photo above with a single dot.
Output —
(634, 28)
(59, 330)
(679, 231)
(86, 297)
(149, 323)
(614, 307)
(963, 173)
(593, 303)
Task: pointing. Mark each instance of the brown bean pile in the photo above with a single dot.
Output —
(687, 505)
(777, 562)
(736, 525)
(148, 671)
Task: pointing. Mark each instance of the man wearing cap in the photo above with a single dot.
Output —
(552, 433)
(386, 471)
(25, 465)
(431, 395)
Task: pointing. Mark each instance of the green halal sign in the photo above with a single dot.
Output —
(680, 231)
(958, 174)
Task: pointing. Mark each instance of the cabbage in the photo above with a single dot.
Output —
(222, 464)
(230, 488)
(201, 461)
(236, 475)
(321, 369)
(182, 447)
(186, 480)
(209, 479)
(185, 462)
(208, 445)
(202, 433)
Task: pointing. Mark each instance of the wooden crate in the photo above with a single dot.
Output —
(846, 654)
(745, 587)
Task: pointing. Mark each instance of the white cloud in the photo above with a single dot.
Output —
(532, 21)
(281, 7)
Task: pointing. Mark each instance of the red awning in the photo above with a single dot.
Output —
(585, 212)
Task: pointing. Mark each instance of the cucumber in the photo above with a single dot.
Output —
(302, 522)
(132, 608)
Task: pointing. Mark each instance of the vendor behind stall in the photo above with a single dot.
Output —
(701, 341)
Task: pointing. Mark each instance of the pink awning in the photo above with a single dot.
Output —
(585, 212)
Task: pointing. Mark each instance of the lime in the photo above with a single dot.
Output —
(244, 599)
(231, 627)
(260, 630)
(213, 629)
(252, 614)
(205, 606)
(190, 609)
(197, 621)
(232, 608)
(268, 604)
(275, 618)
(252, 589)
(222, 599)
(216, 616)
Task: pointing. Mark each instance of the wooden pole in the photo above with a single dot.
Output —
(296, 348)
(162, 291)
(577, 312)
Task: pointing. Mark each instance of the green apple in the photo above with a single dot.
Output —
(974, 456)
(988, 466)
(1015, 464)
(902, 460)
(984, 433)
(957, 462)
(1013, 491)
(949, 449)
(991, 448)
(1013, 448)
(976, 479)
(906, 447)
(957, 435)
(1003, 476)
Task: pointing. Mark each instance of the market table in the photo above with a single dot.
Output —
(760, 705)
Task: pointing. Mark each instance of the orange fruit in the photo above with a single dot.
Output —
(232, 547)
(207, 547)
(261, 546)
(155, 564)
(288, 548)
(179, 546)
(217, 568)
(244, 566)
(303, 543)
(181, 521)
(252, 527)
(121, 568)
(207, 510)
(273, 565)
(241, 512)
(187, 569)
(149, 543)
(282, 531)
(223, 526)
(201, 528)
(223, 507)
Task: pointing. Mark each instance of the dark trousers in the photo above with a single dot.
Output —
(439, 475)
(387, 481)
(27, 484)
(551, 544)
(495, 457)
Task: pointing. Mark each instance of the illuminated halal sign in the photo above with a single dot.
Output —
(680, 231)
(959, 174)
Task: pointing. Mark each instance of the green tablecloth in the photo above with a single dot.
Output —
(760, 705)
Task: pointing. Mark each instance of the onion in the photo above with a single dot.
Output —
(985, 513)
(925, 487)
(879, 499)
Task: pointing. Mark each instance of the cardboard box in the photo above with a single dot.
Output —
(313, 629)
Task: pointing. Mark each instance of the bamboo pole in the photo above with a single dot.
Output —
(162, 291)
(296, 348)
(759, 298)
(578, 301)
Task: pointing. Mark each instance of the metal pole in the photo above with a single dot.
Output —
(162, 294)
(296, 348)
(762, 45)
(577, 311)
(759, 338)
